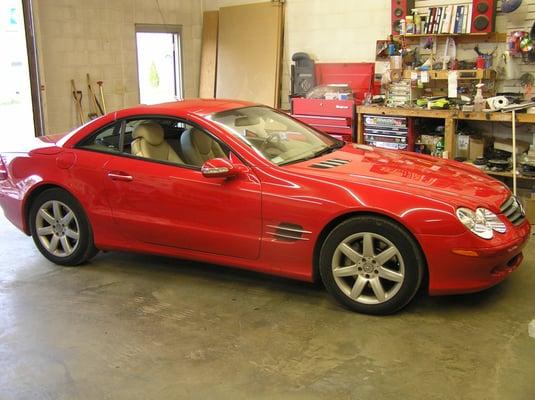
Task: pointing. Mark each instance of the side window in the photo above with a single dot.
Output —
(198, 147)
(106, 140)
(171, 140)
(159, 139)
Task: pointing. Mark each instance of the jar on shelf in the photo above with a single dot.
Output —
(409, 24)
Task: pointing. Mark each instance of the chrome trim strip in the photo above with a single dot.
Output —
(513, 211)
(280, 235)
(333, 163)
(338, 160)
(507, 204)
(288, 229)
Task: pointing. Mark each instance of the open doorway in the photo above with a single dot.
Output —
(16, 110)
(159, 63)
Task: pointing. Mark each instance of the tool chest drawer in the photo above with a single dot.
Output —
(331, 108)
(331, 125)
(324, 121)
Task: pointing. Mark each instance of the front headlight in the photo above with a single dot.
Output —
(482, 222)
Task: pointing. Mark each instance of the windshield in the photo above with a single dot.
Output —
(275, 136)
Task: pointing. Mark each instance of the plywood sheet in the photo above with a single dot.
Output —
(208, 71)
(249, 52)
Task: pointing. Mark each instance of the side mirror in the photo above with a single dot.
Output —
(220, 168)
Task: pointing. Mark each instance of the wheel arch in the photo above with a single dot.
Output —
(344, 217)
(32, 195)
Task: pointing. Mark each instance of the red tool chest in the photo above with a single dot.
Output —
(336, 117)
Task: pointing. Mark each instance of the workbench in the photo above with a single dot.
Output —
(450, 118)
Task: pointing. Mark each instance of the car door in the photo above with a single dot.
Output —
(174, 205)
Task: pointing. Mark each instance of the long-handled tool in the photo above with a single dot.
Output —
(99, 83)
(77, 97)
(94, 105)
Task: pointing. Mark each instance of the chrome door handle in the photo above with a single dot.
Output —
(120, 176)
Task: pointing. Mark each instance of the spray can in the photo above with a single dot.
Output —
(479, 101)
(417, 23)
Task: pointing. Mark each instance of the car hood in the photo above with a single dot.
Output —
(422, 175)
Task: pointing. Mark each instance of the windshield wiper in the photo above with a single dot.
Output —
(329, 149)
(325, 150)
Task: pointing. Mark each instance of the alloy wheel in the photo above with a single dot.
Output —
(57, 228)
(368, 268)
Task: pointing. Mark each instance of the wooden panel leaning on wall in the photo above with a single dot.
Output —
(249, 52)
(208, 71)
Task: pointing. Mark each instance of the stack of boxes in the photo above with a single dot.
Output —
(387, 132)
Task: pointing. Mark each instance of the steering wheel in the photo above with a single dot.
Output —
(272, 140)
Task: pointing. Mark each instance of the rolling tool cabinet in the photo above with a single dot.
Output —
(336, 117)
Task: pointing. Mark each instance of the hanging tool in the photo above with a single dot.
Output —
(77, 97)
(99, 83)
(94, 105)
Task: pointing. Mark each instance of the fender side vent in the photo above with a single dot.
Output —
(286, 232)
(334, 162)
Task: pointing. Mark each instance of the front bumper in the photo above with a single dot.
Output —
(463, 264)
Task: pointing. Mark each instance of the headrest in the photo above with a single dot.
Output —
(247, 121)
(150, 131)
(201, 141)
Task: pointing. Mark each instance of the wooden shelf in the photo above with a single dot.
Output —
(463, 74)
(509, 175)
(453, 114)
(493, 37)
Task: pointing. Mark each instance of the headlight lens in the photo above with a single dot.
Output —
(492, 220)
(482, 222)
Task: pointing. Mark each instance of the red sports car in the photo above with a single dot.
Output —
(243, 185)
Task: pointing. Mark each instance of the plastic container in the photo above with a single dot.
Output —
(409, 21)
(479, 101)
(417, 23)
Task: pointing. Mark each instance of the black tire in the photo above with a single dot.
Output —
(411, 266)
(84, 249)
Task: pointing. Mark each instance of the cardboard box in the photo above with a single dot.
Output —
(477, 148)
(529, 205)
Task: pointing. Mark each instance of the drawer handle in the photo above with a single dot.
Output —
(342, 107)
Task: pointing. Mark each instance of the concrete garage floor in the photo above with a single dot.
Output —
(139, 327)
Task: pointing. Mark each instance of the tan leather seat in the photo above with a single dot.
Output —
(149, 143)
(198, 147)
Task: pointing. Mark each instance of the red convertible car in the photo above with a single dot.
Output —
(244, 185)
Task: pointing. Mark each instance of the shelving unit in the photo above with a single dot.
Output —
(493, 37)
(450, 119)
(463, 74)
(509, 175)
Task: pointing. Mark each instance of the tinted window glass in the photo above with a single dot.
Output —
(106, 140)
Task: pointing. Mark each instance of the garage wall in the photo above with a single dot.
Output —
(330, 31)
(76, 37)
(212, 5)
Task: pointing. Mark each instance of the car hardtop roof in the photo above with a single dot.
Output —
(201, 107)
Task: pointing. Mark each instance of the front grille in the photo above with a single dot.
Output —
(513, 211)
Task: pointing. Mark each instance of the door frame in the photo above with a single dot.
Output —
(33, 67)
(162, 28)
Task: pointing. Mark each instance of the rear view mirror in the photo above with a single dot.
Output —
(219, 168)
